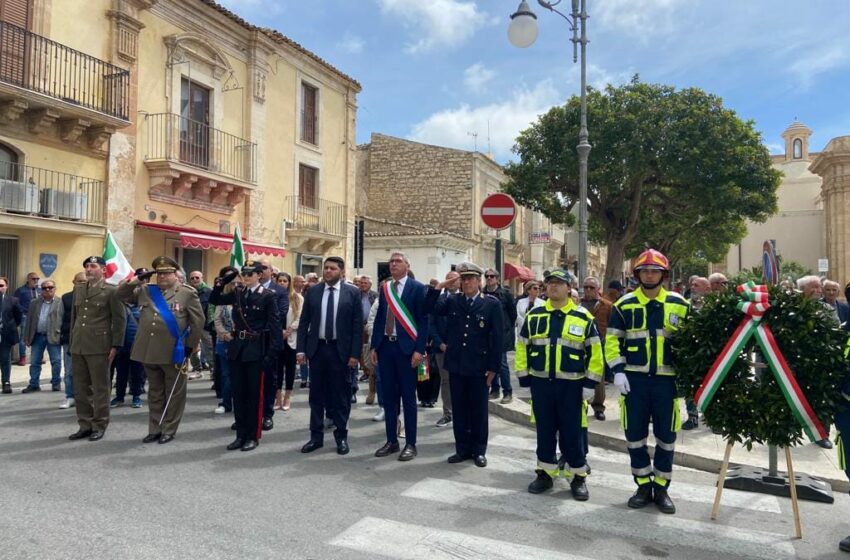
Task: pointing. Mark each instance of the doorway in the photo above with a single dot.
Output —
(194, 124)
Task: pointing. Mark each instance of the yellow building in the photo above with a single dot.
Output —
(194, 118)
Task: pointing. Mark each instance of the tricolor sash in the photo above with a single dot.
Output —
(402, 315)
(178, 354)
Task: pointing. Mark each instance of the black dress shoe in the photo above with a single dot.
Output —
(480, 461)
(268, 424)
(342, 447)
(641, 497)
(30, 389)
(844, 545)
(250, 445)
(540, 484)
(663, 501)
(599, 415)
(311, 446)
(387, 449)
(7, 389)
(825, 443)
(236, 444)
(96, 435)
(165, 438)
(80, 434)
(150, 438)
(458, 458)
(57, 388)
(578, 488)
(408, 453)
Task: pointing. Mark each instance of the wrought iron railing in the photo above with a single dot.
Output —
(175, 138)
(51, 194)
(317, 214)
(38, 64)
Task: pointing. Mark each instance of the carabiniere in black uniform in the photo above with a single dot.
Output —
(256, 337)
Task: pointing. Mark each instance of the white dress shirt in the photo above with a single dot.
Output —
(399, 291)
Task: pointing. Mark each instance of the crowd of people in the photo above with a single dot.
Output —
(257, 330)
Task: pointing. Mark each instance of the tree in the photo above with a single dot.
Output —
(670, 169)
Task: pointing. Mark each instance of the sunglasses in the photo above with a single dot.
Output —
(489, 276)
(34, 278)
(2, 285)
(589, 287)
(195, 278)
(48, 287)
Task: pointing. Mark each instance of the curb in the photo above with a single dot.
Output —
(519, 412)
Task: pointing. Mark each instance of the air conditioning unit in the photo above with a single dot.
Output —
(69, 205)
(17, 196)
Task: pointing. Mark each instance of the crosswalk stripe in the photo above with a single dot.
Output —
(405, 541)
(680, 490)
(613, 520)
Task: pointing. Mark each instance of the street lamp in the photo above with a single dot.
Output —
(522, 32)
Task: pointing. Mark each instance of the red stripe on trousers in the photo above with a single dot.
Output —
(260, 407)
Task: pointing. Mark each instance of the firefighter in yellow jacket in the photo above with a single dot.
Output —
(559, 356)
(638, 351)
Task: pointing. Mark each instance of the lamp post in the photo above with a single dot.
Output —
(522, 32)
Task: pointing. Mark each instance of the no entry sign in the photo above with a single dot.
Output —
(498, 211)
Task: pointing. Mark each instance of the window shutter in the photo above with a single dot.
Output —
(16, 12)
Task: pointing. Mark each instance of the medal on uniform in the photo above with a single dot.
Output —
(481, 324)
(176, 306)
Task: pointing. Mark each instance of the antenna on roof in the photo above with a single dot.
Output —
(475, 139)
(489, 150)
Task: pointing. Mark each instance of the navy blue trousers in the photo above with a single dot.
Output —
(651, 397)
(557, 408)
(469, 413)
(398, 380)
(330, 392)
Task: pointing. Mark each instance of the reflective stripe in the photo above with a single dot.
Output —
(665, 370)
(592, 340)
(636, 444)
(663, 333)
(665, 446)
(594, 377)
(617, 361)
(666, 476)
(618, 332)
(571, 375)
(642, 471)
(547, 466)
(637, 334)
(538, 373)
(842, 458)
(570, 344)
(578, 471)
(539, 342)
(522, 340)
(637, 369)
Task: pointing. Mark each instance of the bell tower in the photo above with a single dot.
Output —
(797, 141)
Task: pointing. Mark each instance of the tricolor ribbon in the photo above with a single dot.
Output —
(754, 304)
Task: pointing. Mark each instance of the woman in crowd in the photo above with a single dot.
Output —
(223, 321)
(529, 299)
(290, 332)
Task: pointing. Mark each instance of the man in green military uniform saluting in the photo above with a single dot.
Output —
(170, 323)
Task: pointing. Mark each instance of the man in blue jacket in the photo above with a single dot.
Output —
(398, 346)
(26, 294)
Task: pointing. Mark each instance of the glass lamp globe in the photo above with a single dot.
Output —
(522, 31)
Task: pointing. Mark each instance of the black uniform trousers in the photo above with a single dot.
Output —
(330, 392)
(470, 420)
(271, 382)
(246, 380)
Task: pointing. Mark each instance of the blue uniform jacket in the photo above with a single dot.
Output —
(413, 297)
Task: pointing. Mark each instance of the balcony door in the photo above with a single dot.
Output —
(194, 124)
(14, 41)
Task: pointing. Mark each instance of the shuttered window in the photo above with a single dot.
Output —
(308, 179)
(309, 114)
(14, 40)
(17, 12)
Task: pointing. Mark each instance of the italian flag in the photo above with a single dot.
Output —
(237, 253)
(117, 266)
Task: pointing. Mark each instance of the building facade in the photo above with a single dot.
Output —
(426, 200)
(833, 166)
(195, 119)
(798, 228)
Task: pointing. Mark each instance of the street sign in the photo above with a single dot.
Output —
(498, 211)
(539, 237)
(823, 265)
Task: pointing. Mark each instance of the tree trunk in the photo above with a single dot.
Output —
(614, 262)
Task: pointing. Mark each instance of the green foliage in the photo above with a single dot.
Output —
(751, 409)
(671, 168)
(788, 270)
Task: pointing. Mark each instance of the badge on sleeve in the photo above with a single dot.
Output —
(575, 330)
(673, 319)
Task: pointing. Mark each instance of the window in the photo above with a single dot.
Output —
(17, 12)
(309, 114)
(308, 179)
(14, 57)
(8, 163)
(194, 124)
(798, 148)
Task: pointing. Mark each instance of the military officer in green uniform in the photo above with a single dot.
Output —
(170, 323)
(97, 331)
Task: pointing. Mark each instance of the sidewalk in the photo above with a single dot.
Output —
(698, 449)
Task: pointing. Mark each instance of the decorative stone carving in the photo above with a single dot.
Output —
(11, 110)
(97, 135)
(41, 120)
(260, 86)
(71, 129)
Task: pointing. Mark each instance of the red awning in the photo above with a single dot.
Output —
(516, 271)
(198, 239)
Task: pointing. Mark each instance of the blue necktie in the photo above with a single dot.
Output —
(329, 315)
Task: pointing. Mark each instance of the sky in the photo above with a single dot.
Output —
(443, 71)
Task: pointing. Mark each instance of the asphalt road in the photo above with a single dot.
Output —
(121, 499)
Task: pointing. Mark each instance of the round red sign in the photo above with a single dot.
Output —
(498, 211)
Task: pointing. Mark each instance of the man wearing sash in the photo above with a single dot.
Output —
(398, 346)
(171, 320)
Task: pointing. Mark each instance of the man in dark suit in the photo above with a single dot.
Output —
(10, 320)
(271, 383)
(256, 336)
(398, 346)
(330, 335)
(473, 356)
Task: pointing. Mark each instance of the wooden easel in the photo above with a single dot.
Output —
(791, 481)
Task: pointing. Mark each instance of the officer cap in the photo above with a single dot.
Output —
(252, 267)
(94, 259)
(467, 268)
(164, 264)
(559, 274)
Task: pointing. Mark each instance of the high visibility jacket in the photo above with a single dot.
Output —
(639, 330)
(559, 344)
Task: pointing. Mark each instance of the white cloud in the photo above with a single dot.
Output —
(816, 62)
(351, 44)
(440, 23)
(476, 77)
(451, 127)
(644, 20)
(775, 148)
